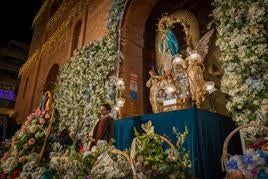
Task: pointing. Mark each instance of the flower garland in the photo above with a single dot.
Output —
(242, 38)
(26, 144)
(253, 164)
(86, 80)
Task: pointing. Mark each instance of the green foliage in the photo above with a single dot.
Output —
(153, 161)
(86, 81)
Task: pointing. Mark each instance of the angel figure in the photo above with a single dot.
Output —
(154, 84)
(168, 47)
(195, 68)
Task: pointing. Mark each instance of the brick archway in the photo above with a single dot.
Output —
(138, 36)
(140, 16)
(132, 35)
(51, 78)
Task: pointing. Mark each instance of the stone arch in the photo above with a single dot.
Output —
(51, 78)
(133, 36)
(133, 43)
(138, 33)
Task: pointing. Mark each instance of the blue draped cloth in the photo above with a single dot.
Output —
(207, 132)
(169, 44)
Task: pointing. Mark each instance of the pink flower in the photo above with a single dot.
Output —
(47, 116)
(27, 123)
(29, 118)
(31, 141)
(23, 128)
(5, 156)
(21, 159)
(25, 146)
(13, 142)
(42, 121)
(37, 112)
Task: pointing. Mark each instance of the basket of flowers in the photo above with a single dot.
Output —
(252, 164)
(113, 163)
(152, 160)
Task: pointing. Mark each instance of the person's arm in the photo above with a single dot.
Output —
(95, 130)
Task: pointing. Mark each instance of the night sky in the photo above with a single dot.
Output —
(16, 19)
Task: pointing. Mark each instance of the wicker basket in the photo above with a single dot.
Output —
(133, 151)
(125, 155)
(225, 155)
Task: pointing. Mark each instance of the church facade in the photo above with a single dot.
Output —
(63, 26)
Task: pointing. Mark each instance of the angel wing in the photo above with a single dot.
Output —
(202, 45)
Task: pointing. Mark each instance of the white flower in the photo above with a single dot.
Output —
(33, 128)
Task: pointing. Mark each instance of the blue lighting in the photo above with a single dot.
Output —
(7, 94)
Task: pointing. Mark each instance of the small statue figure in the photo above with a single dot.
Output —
(181, 77)
(45, 101)
(154, 84)
(161, 97)
(195, 68)
(168, 47)
(195, 78)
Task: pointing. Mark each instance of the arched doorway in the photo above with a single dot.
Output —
(138, 35)
(51, 78)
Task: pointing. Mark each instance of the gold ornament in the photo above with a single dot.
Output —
(190, 28)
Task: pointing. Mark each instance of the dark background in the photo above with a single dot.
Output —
(16, 19)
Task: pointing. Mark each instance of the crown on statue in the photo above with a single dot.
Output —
(166, 20)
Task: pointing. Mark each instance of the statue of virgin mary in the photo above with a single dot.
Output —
(168, 47)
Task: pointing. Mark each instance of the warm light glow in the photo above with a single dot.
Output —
(120, 84)
(116, 108)
(178, 60)
(170, 89)
(209, 86)
(120, 102)
(194, 56)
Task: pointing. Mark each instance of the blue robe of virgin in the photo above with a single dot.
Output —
(170, 43)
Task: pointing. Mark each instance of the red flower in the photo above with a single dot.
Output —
(14, 174)
(82, 148)
(3, 175)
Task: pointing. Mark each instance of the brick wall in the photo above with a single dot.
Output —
(93, 28)
(132, 35)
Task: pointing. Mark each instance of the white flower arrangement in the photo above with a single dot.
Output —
(242, 38)
(86, 81)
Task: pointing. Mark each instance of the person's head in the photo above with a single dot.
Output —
(162, 26)
(105, 109)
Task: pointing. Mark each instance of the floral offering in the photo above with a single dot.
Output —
(242, 39)
(26, 144)
(253, 164)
